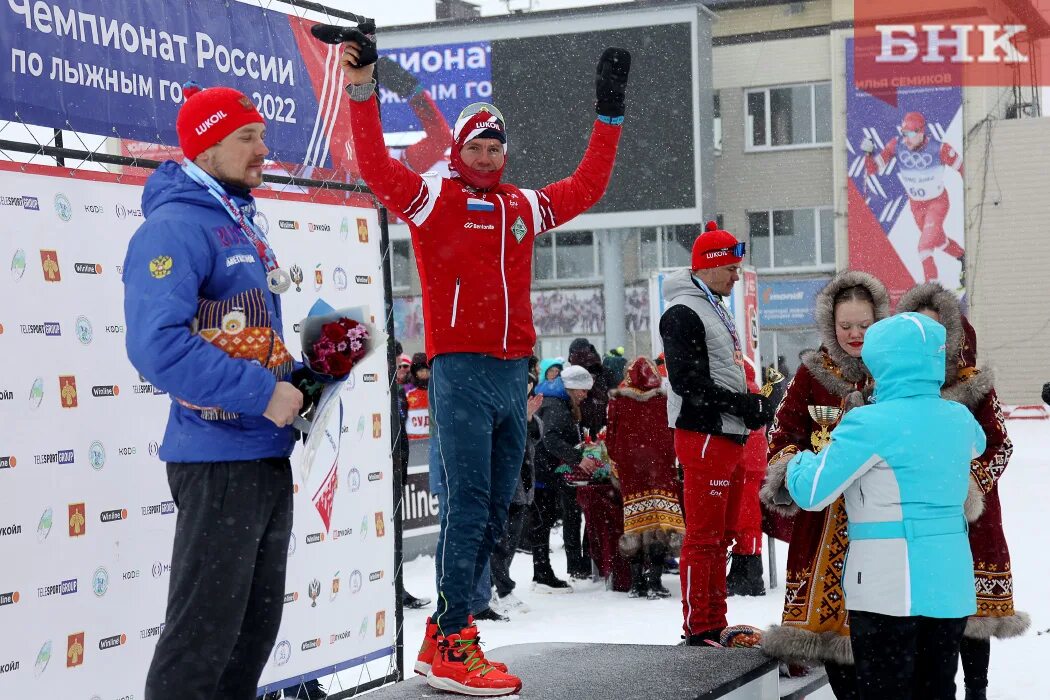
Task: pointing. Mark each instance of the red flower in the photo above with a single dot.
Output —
(339, 365)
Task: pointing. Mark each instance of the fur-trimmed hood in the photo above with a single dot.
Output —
(963, 382)
(851, 368)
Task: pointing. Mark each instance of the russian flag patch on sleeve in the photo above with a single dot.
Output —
(474, 204)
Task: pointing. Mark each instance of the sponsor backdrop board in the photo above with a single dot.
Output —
(86, 517)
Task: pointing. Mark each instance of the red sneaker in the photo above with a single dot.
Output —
(428, 649)
(460, 667)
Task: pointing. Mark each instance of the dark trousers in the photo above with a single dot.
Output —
(542, 516)
(504, 552)
(905, 657)
(576, 557)
(226, 592)
(843, 680)
(976, 655)
(478, 406)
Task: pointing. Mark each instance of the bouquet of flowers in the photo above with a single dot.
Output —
(341, 345)
(595, 467)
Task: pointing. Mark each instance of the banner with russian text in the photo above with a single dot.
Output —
(904, 151)
(86, 516)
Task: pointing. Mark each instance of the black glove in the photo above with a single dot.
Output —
(1046, 393)
(364, 34)
(611, 82)
(755, 410)
(311, 386)
(396, 79)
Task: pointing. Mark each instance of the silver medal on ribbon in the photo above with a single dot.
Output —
(279, 281)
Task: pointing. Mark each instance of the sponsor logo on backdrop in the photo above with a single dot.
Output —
(18, 264)
(59, 457)
(43, 657)
(100, 582)
(160, 568)
(97, 455)
(377, 425)
(110, 516)
(9, 598)
(67, 587)
(344, 532)
(262, 222)
(49, 328)
(8, 462)
(375, 476)
(363, 279)
(381, 623)
(318, 277)
(9, 530)
(344, 228)
(131, 575)
(282, 653)
(314, 591)
(375, 576)
(362, 230)
(364, 526)
(353, 478)
(9, 667)
(36, 393)
(297, 277)
(311, 644)
(127, 451)
(291, 597)
(30, 203)
(340, 637)
(151, 631)
(288, 224)
(67, 390)
(85, 333)
(162, 508)
(355, 580)
(116, 328)
(154, 448)
(63, 207)
(363, 629)
(123, 211)
(339, 278)
(370, 377)
(315, 537)
(75, 650)
(380, 524)
(323, 228)
(110, 642)
(77, 519)
(101, 390)
(291, 544)
(43, 527)
(49, 264)
(85, 268)
(335, 588)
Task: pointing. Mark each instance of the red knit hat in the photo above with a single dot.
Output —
(209, 116)
(715, 248)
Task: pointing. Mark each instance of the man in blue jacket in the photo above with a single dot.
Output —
(204, 324)
(904, 467)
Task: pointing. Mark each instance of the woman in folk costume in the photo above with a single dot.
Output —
(814, 627)
(641, 445)
(972, 387)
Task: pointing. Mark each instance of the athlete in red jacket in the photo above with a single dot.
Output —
(473, 239)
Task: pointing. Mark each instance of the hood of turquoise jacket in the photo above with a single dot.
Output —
(905, 355)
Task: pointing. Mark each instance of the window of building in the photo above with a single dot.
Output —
(789, 116)
(717, 123)
(400, 264)
(789, 240)
(567, 255)
(788, 344)
(666, 246)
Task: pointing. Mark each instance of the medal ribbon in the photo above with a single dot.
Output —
(247, 226)
(721, 310)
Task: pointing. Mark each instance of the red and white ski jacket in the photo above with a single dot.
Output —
(474, 248)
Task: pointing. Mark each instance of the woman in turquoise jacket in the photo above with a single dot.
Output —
(903, 465)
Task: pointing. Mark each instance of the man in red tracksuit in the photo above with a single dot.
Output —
(473, 239)
(712, 413)
(745, 575)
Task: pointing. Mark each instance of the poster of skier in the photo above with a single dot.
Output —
(905, 191)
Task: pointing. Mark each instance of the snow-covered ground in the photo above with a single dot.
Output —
(1020, 668)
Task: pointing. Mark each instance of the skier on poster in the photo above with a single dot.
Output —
(921, 167)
